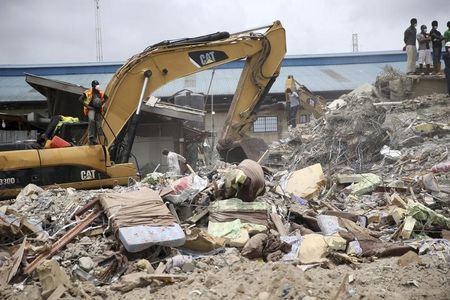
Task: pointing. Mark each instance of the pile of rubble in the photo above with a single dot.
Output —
(325, 215)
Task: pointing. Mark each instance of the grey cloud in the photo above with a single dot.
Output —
(49, 31)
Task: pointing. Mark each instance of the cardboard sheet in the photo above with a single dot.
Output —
(143, 207)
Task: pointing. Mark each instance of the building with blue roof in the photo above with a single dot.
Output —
(328, 75)
(322, 74)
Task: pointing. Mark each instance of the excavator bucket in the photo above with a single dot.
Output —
(247, 147)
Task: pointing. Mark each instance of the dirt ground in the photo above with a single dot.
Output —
(233, 277)
(381, 279)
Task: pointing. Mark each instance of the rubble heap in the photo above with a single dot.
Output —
(354, 204)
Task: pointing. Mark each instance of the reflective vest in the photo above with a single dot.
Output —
(64, 120)
(88, 99)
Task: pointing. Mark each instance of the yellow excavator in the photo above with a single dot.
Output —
(95, 166)
(314, 104)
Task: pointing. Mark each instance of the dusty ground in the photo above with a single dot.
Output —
(233, 277)
(381, 279)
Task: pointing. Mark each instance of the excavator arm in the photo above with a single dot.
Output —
(159, 64)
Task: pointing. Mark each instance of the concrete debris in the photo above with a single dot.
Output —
(313, 249)
(199, 240)
(51, 276)
(410, 257)
(364, 183)
(145, 265)
(306, 182)
(387, 152)
(86, 263)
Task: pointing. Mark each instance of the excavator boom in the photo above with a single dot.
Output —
(159, 64)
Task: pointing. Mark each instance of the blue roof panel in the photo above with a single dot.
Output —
(331, 72)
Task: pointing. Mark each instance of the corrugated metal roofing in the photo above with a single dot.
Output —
(317, 72)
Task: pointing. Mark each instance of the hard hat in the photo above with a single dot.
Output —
(94, 83)
(447, 44)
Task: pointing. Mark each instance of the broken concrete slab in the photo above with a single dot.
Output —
(398, 201)
(51, 276)
(408, 227)
(361, 183)
(305, 183)
(199, 240)
(8, 271)
(397, 214)
(368, 183)
(335, 242)
(430, 183)
(313, 249)
(86, 263)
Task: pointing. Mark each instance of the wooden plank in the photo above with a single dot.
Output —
(160, 269)
(278, 224)
(174, 212)
(65, 239)
(195, 218)
(190, 169)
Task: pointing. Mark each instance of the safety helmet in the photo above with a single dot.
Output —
(447, 44)
(94, 83)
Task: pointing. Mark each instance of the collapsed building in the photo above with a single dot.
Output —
(352, 204)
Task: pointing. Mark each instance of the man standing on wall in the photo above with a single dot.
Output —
(410, 47)
(436, 39)
(424, 40)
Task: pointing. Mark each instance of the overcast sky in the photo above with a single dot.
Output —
(63, 31)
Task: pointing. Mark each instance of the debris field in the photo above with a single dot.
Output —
(353, 205)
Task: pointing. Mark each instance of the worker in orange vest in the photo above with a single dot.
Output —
(93, 100)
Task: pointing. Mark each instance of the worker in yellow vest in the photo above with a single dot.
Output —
(54, 126)
(93, 100)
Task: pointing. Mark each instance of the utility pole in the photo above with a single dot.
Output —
(98, 31)
(355, 42)
(213, 141)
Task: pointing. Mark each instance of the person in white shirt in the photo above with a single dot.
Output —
(173, 162)
(293, 108)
